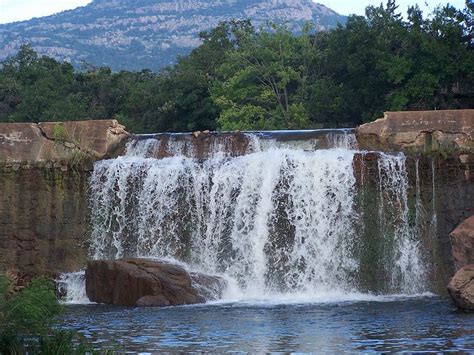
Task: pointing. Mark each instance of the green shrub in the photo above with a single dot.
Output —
(62, 342)
(27, 318)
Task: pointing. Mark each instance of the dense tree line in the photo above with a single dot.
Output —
(244, 78)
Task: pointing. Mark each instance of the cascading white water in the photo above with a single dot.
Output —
(280, 219)
(434, 216)
(222, 215)
(408, 270)
(73, 285)
(345, 140)
(275, 219)
(419, 209)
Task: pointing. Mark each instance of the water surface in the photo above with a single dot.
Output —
(416, 324)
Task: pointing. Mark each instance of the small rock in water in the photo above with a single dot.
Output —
(197, 134)
(153, 301)
(148, 283)
(461, 288)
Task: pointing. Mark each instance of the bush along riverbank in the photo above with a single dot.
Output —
(27, 320)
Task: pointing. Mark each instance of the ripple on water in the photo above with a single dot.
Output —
(417, 324)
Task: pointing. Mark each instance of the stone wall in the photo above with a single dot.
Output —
(439, 146)
(43, 218)
(440, 195)
(446, 132)
(44, 170)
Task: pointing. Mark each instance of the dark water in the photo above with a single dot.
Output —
(425, 324)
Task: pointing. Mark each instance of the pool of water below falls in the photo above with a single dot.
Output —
(285, 221)
(382, 324)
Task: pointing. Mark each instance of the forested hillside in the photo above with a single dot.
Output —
(240, 78)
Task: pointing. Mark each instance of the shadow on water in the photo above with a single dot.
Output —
(423, 324)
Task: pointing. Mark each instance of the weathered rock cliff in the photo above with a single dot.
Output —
(420, 132)
(43, 191)
(439, 146)
(67, 142)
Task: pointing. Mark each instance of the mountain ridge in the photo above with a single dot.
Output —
(150, 33)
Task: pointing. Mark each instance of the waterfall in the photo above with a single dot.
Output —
(407, 267)
(73, 286)
(434, 215)
(279, 219)
(224, 215)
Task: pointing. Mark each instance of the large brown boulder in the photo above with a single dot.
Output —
(144, 282)
(419, 131)
(461, 288)
(61, 141)
(462, 241)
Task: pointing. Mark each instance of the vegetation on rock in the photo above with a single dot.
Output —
(243, 78)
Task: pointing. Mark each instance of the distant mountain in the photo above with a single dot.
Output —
(133, 35)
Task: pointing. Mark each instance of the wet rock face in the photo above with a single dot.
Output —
(439, 148)
(462, 240)
(148, 283)
(43, 218)
(461, 288)
(440, 197)
(420, 132)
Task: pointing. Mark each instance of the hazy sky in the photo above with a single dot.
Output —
(17, 10)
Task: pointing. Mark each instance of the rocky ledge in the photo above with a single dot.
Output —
(420, 132)
(148, 283)
(73, 141)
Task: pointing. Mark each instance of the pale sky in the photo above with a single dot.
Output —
(18, 10)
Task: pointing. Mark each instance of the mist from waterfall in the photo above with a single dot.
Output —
(279, 220)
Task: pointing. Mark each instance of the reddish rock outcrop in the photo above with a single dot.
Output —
(44, 170)
(56, 141)
(462, 241)
(100, 138)
(420, 131)
(144, 282)
(461, 288)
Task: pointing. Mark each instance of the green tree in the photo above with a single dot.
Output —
(240, 78)
(265, 80)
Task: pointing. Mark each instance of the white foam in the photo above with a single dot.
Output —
(74, 287)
